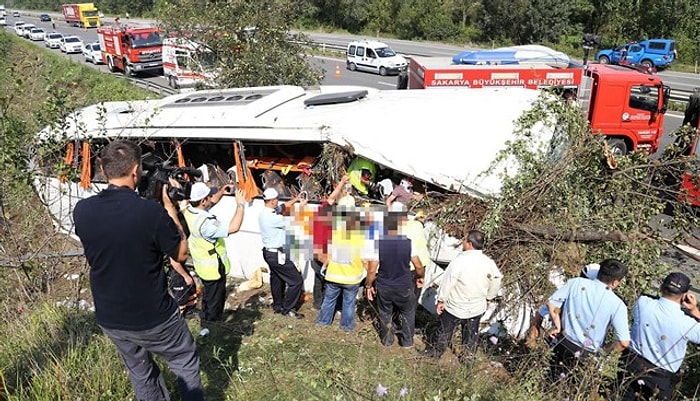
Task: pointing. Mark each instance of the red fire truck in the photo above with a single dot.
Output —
(690, 182)
(429, 72)
(131, 49)
(626, 105)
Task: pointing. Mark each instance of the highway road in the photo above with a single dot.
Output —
(331, 65)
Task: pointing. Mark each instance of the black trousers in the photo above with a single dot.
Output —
(214, 297)
(213, 300)
(286, 283)
(397, 313)
(566, 356)
(319, 283)
(643, 380)
(448, 323)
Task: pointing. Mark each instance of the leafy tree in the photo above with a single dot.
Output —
(251, 40)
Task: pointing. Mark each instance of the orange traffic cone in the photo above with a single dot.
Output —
(337, 70)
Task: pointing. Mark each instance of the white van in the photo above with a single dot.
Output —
(373, 56)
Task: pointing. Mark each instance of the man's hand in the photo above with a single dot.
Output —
(554, 333)
(167, 202)
(419, 282)
(240, 196)
(371, 291)
(690, 302)
(440, 307)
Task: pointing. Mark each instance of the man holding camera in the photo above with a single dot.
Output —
(125, 239)
(660, 335)
(207, 247)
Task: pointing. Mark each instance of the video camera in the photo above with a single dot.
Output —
(156, 174)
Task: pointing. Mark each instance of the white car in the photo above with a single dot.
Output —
(92, 53)
(18, 27)
(25, 29)
(3, 21)
(52, 40)
(37, 34)
(71, 44)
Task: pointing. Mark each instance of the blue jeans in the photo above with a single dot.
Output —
(347, 313)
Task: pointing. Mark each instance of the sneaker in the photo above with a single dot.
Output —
(294, 314)
(204, 332)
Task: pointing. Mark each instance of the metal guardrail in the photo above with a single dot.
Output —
(153, 87)
(148, 85)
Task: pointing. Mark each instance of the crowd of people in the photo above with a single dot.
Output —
(383, 250)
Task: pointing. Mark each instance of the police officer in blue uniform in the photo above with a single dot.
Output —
(581, 312)
(660, 334)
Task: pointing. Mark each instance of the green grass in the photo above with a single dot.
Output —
(54, 353)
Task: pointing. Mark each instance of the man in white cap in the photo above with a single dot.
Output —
(286, 282)
(207, 247)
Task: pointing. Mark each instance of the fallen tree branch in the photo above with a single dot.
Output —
(570, 235)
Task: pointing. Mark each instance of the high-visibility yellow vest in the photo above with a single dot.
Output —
(205, 254)
(345, 263)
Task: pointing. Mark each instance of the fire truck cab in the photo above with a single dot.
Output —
(131, 50)
(626, 105)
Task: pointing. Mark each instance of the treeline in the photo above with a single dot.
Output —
(493, 22)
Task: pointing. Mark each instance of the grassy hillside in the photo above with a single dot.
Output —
(52, 349)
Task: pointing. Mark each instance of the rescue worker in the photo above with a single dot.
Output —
(581, 312)
(660, 336)
(346, 268)
(362, 173)
(286, 282)
(471, 281)
(414, 230)
(207, 247)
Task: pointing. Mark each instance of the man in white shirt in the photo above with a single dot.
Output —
(471, 280)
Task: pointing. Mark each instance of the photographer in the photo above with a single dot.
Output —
(125, 238)
(207, 246)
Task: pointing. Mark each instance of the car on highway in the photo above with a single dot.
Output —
(15, 14)
(18, 27)
(3, 21)
(373, 56)
(92, 53)
(52, 40)
(25, 29)
(45, 18)
(71, 44)
(36, 34)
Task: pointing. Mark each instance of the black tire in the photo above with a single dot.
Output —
(110, 65)
(352, 67)
(382, 71)
(618, 146)
(604, 60)
(647, 63)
